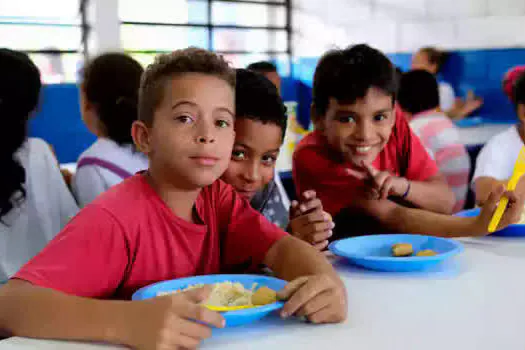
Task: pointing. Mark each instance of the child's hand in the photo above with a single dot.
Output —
(319, 298)
(309, 222)
(511, 215)
(308, 202)
(381, 183)
(174, 322)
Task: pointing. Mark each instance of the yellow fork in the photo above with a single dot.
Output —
(519, 170)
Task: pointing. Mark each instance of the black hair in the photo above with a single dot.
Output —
(399, 74)
(256, 98)
(111, 83)
(262, 67)
(418, 92)
(435, 56)
(170, 65)
(348, 74)
(19, 96)
(518, 91)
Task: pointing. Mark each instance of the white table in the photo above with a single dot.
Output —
(476, 302)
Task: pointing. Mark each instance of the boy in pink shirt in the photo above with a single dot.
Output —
(418, 97)
(175, 220)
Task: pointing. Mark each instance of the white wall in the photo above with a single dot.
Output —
(405, 25)
(105, 26)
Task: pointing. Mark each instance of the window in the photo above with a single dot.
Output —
(244, 30)
(50, 31)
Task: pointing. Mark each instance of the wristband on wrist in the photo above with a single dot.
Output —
(407, 191)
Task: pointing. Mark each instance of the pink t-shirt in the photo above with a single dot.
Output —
(441, 138)
(129, 238)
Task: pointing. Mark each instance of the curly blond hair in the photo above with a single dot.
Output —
(167, 66)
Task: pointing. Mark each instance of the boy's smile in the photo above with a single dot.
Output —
(359, 131)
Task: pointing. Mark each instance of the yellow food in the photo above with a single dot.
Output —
(426, 252)
(402, 249)
(226, 294)
(264, 296)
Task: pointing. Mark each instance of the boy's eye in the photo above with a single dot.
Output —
(269, 160)
(380, 117)
(346, 119)
(184, 119)
(222, 123)
(238, 155)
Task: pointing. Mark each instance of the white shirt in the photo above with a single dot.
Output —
(497, 158)
(48, 206)
(447, 98)
(92, 180)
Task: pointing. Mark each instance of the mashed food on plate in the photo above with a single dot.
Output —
(234, 294)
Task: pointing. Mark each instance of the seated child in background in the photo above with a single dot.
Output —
(418, 98)
(365, 164)
(495, 162)
(432, 60)
(108, 99)
(269, 70)
(35, 203)
(174, 220)
(260, 124)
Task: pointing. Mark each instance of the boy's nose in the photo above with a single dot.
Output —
(205, 133)
(205, 139)
(251, 174)
(364, 132)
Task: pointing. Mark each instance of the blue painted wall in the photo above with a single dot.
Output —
(59, 122)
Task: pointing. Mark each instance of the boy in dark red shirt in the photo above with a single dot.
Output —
(365, 164)
(175, 220)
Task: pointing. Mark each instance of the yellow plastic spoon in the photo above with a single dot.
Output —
(519, 170)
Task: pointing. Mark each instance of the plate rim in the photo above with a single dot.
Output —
(458, 248)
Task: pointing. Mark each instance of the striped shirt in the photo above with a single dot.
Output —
(441, 139)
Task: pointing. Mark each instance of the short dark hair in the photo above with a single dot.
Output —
(263, 67)
(167, 66)
(435, 56)
(418, 92)
(348, 74)
(111, 83)
(256, 98)
(519, 91)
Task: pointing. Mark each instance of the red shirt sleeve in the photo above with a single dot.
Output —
(248, 234)
(420, 166)
(313, 170)
(88, 258)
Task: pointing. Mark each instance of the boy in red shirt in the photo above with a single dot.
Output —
(175, 220)
(260, 125)
(367, 167)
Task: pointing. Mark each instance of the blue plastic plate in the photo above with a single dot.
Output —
(516, 230)
(233, 318)
(375, 252)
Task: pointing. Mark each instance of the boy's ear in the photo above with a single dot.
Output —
(140, 134)
(317, 120)
(85, 105)
(521, 113)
